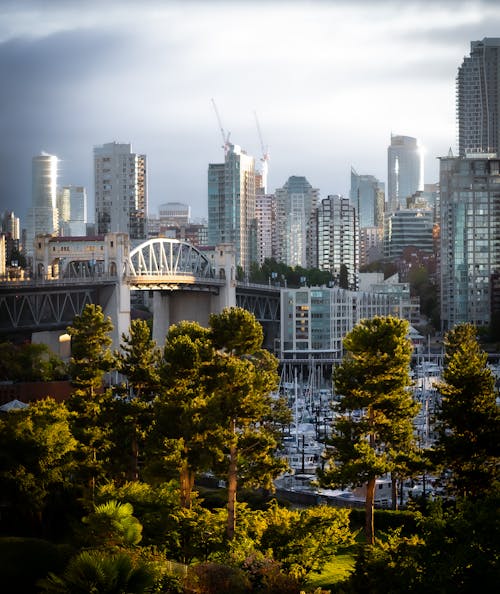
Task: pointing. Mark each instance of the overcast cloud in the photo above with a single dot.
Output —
(330, 81)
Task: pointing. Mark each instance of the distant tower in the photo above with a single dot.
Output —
(405, 171)
(296, 202)
(478, 98)
(72, 202)
(120, 190)
(42, 216)
(231, 204)
(367, 196)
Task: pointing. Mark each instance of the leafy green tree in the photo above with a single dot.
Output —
(372, 379)
(239, 382)
(304, 540)
(36, 456)
(139, 361)
(468, 419)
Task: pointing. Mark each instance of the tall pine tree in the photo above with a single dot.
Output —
(468, 419)
(372, 379)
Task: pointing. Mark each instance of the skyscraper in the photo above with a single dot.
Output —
(478, 98)
(470, 252)
(42, 216)
(337, 239)
(405, 171)
(231, 205)
(296, 202)
(120, 190)
(469, 263)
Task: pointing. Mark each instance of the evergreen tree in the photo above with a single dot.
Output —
(468, 420)
(373, 380)
(182, 426)
(91, 358)
(139, 361)
(239, 383)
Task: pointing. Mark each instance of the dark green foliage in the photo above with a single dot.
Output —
(277, 272)
(29, 363)
(215, 578)
(387, 519)
(373, 378)
(98, 572)
(455, 551)
(26, 560)
(469, 419)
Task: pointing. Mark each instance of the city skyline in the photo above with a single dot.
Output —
(329, 87)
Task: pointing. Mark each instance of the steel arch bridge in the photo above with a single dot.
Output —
(162, 260)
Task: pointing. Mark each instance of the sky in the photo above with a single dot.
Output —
(329, 81)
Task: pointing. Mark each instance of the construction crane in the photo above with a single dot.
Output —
(225, 137)
(265, 155)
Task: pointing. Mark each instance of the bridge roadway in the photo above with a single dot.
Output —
(39, 305)
(182, 281)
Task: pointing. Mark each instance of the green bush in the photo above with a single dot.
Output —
(26, 560)
(387, 519)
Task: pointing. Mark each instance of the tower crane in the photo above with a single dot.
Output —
(225, 137)
(265, 155)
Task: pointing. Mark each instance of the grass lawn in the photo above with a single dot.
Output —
(334, 571)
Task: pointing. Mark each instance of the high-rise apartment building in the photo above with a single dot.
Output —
(337, 240)
(120, 190)
(470, 248)
(42, 216)
(478, 98)
(265, 213)
(231, 205)
(72, 206)
(405, 171)
(296, 203)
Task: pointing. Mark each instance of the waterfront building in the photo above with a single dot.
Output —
(314, 320)
(120, 190)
